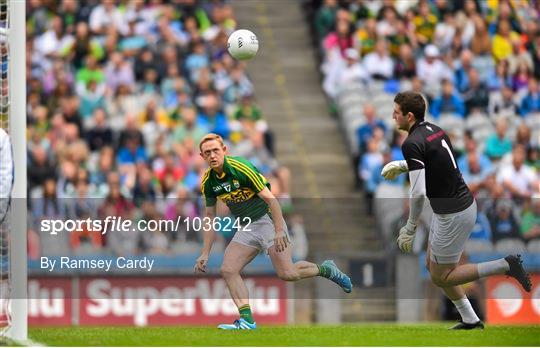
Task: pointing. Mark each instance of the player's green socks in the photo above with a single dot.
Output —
(245, 313)
(324, 271)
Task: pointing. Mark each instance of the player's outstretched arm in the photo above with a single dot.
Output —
(418, 194)
(281, 240)
(208, 241)
(393, 169)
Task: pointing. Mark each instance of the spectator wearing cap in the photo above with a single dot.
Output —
(352, 71)
(531, 101)
(448, 102)
(432, 71)
(379, 64)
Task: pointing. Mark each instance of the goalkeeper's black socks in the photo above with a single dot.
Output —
(245, 313)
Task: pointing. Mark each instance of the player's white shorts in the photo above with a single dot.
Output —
(449, 233)
(258, 234)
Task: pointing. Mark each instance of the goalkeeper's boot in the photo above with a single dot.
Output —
(238, 324)
(338, 277)
(518, 272)
(466, 326)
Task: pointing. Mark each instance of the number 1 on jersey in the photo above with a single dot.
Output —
(445, 145)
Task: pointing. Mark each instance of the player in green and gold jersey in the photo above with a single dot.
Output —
(237, 183)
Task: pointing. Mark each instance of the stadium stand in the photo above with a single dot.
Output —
(119, 95)
(478, 65)
(483, 92)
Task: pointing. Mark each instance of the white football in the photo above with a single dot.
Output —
(243, 44)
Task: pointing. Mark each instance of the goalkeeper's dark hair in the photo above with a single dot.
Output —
(411, 102)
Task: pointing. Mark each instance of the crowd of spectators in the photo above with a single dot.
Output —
(478, 65)
(119, 95)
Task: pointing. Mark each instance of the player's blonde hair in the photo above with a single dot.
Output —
(210, 137)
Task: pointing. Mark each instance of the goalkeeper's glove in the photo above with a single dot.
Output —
(406, 236)
(392, 169)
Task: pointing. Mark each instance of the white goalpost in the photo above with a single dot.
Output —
(13, 108)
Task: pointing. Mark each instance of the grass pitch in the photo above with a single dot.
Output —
(344, 335)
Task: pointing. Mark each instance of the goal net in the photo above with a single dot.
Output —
(5, 231)
(13, 273)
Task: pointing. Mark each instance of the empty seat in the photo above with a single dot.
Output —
(533, 246)
(450, 122)
(478, 246)
(510, 245)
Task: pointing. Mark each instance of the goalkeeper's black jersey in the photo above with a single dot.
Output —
(428, 146)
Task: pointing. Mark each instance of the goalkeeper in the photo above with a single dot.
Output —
(237, 183)
(433, 173)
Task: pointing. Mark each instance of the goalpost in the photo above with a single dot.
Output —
(13, 293)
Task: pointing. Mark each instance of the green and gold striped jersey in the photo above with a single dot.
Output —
(237, 187)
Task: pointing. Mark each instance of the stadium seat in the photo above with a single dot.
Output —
(450, 122)
(478, 246)
(480, 125)
(376, 87)
(533, 246)
(513, 123)
(510, 245)
(533, 121)
(350, 131)
(388, 207)
(350, 99)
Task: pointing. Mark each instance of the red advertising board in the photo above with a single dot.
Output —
(49, 301)
(144, 301)
(508, 303)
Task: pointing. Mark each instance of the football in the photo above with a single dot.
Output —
(243, 44)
